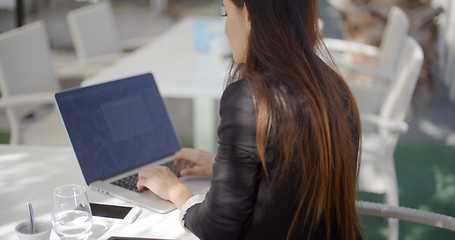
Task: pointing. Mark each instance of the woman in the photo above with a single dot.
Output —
(286, 164)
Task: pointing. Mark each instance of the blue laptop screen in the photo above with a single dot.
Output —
(116, 126)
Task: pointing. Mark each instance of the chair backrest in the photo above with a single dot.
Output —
(404, 81)
(25, 71)
(394, 36)
(93, 30)
(443, 30)
(25, 61)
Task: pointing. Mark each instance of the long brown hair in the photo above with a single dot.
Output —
(306, 109)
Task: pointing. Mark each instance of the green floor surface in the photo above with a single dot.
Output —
(426, 179)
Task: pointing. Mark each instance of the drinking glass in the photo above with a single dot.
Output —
(71, 214)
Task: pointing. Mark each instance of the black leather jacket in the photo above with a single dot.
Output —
(240, 204)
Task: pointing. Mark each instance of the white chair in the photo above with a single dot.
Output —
(385, 57)
(443, 30)
(382, 126)
(27, 79)
(95, 37)
(446, 43)
(94, 34)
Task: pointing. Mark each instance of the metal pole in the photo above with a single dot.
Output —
(19, 13)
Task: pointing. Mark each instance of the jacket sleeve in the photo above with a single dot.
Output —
(230, 200)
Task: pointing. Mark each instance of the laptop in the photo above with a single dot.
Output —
(118, 127)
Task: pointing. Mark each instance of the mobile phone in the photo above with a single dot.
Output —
(116, 213)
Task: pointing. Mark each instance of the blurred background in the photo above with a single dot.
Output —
(424, 156)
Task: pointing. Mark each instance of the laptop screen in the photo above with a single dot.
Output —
(116, 126)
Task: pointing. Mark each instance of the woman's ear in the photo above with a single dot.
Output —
(247, 16)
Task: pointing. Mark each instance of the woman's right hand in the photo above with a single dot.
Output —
(195, 162)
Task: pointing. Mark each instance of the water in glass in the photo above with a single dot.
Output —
(71, 214)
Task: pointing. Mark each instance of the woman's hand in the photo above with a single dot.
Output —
(195, 162)
(161, 181)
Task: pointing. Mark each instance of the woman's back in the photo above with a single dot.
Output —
(306, 111)
(243, 201)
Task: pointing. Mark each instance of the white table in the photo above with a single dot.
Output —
(29, 174)
(181, 72)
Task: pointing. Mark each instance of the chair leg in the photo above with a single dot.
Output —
(392, 199)
(394, 228)
(14, 126)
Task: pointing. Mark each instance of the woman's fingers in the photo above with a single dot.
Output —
(140, 184)
(200, 171)
(184, 153)
(161, 181)
(158, 179)
(194, 162)
(193, 155)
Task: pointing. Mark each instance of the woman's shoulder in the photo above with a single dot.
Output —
(238, 85)
(235, 92)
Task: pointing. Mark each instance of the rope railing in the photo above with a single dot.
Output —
(407, 214)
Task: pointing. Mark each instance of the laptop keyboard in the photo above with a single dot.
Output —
(130, 182)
